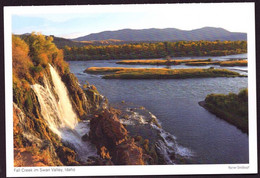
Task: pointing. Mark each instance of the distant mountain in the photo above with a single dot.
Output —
(61, 42)
(167, 34)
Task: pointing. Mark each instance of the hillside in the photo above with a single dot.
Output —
(167, 34)
(61, 42)
(50, 111)
(130, 36)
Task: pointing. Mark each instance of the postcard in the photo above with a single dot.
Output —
(144, 89)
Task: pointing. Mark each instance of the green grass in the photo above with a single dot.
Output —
(232, 107)
(159, 73)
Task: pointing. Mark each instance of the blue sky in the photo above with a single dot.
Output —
(75, 21)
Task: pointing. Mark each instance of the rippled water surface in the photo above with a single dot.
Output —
(175, 103)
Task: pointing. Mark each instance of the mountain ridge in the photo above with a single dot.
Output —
(165, 34)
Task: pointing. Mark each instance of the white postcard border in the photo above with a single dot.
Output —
(126, 170)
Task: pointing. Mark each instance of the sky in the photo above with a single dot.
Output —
(76, 21)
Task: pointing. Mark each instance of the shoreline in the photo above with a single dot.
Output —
(229, 118)
(188, 62)
(161, 58)
(160, 73)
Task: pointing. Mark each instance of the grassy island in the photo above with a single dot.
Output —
(161, 61)
(221, 63)
(233, 108)
(234, 63)
(190, 62)
(159, 73)
(105, 70)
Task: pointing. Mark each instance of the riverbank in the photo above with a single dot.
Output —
(159, 73)
(220, 63)
(190, 62)
(232, 108)
(161, 61)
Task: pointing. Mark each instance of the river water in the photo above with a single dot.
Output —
(175, 104)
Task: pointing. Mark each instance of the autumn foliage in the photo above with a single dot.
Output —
(31, 56)
(21, 61)
(155, 50)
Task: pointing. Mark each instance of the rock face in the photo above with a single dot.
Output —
(34, 143)
(128, 153)
(40, 102)
(79, 101)
(23, 158)
(39, 112)
(112, 140)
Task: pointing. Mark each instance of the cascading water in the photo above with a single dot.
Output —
(61, 118)
(140, 121)
(67, 114)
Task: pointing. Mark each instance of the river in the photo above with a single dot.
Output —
(175, 104)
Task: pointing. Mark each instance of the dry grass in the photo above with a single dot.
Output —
(234, 63)
(221, 63)
(160, 61)
(162, 73)
(103, 70)
(191, 62)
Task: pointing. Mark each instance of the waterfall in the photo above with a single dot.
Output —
(68, 116)
(58, 112)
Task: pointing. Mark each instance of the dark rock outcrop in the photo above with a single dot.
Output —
(112, 140)
(67, 156)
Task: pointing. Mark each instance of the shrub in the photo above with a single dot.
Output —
(232, 107)
(21, 62)
(28, 103)
(243, 95)
(36, 69)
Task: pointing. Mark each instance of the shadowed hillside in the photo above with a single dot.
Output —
(167, 34)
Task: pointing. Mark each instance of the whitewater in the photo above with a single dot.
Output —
(58, 112)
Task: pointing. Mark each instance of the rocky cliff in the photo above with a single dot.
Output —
(42, 135)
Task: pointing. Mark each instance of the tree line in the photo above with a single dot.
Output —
(155, 50)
